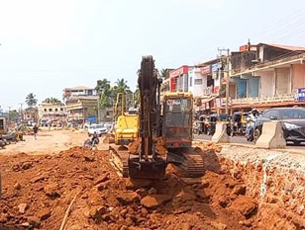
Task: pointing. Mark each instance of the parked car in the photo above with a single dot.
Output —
(98, 129)
(293, 123)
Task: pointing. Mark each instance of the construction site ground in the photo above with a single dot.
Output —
(53, 183)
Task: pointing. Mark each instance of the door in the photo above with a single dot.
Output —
(282, 81)
(253, 87)
(241, 88)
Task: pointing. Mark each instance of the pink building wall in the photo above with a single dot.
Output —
(298, 73)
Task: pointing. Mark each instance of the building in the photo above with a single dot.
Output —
(30, 114)
(179, 79)
(82, 109)
(52, 114)
(197, 82)
(78, 91)
(267, 75)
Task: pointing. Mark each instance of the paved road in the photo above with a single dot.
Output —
(242, 140)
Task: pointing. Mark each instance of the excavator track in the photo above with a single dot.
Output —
(118, 158)
(188, 160)
(193, 165)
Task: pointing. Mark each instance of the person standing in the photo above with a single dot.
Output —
(35, 129)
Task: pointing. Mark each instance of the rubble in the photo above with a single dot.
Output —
(39, 196)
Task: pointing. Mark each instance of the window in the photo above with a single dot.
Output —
(61, 109)
(56, 110)
(198, 82)
(50, 109)
(272, 113)
(90, 92)
(191, 81)
(45, 110)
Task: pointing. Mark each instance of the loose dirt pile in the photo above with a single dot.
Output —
(37, 190)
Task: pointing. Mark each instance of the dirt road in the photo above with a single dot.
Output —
(39, 186)
(48, 142)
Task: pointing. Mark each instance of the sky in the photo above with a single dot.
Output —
(47, 46)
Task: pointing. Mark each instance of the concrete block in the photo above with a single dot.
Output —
(272, 136)
(220, 135)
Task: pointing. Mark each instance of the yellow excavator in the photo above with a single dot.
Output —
(127, 124)
(161, 133)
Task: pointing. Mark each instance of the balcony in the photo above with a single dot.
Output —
(264, 100)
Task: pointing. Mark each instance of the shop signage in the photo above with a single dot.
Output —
(216, 67)
(208, 91)
(301, 94)
(205, 70)
(178, 72)
(218, 102)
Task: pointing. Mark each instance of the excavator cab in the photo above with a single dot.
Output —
(177, 120)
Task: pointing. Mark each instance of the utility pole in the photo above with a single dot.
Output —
(21, 113)
(98, 108)
(228, 75)
(8, 117)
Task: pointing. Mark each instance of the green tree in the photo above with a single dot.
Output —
(105, 93)
(52, 100)
(164, 74)
(121, 86)
(31, 100)
(13, 115)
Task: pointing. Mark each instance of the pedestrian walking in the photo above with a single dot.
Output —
(35, 129)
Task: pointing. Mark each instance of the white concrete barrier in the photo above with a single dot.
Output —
(272, 136)
(220, 135)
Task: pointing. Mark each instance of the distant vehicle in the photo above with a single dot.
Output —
(98, 129)
(293, 123)
(108, 125)
(86, 126)
(238, 123)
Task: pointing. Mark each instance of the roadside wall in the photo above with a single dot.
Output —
(275, 178)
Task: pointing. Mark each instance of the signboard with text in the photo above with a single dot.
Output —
(205, 70)
(301, 94)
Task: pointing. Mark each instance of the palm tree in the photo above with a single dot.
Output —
(52, 100)
(121, 86)
(30, 100)
(164, 74)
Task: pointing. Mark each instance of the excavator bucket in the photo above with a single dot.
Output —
(150, 169)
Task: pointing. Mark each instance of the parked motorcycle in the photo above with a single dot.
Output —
(91, 143)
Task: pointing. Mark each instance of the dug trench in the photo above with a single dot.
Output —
(37, 191)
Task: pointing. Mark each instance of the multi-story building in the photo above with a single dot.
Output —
(30, 114)
(179, 79)
(81, 104)
(78, 91)
(260, 76)
(52, 114)
(82, 109)
(267, 75)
